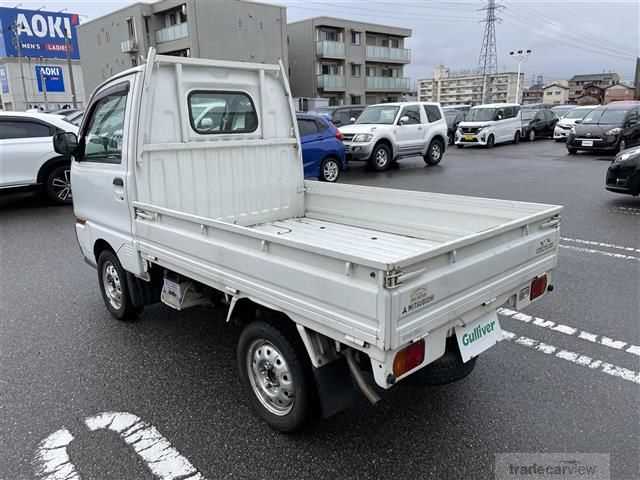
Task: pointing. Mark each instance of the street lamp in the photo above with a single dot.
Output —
(522, 56)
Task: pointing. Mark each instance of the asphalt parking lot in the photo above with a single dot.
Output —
(565, 379)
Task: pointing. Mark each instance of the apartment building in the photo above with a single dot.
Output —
(578, 83)
(556, 93)
(217, 29)
(472, 88)
(348, 62)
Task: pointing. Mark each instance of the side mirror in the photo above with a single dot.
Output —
(352, 120)
(499, 116)
(65, 143)
(578, 121)
(404, 119)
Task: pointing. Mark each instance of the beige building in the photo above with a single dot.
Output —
(556, 93)
(471, 88)
(618, 93)
(579, 83)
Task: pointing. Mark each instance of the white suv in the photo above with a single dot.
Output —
(383, 133)
(27, 158)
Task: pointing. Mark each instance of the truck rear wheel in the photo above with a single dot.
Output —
(447, 369)
(114, 287)
(273, 372)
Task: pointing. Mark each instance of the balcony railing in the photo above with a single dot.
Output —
(388, 83)
(329, 49)
(174, 32)
(331, 82)
(129, 46)
(388, 54)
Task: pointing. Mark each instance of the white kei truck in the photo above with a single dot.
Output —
(341, 290)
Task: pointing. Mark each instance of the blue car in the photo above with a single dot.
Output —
(322, 149)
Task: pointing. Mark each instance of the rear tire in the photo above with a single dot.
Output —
(532, 135)
(447, 369)
(434, 153)
(114, 287)
(329, 170)
(381, 158)
(516, 138)
(572, 151)
(277, 381)
(58, 185)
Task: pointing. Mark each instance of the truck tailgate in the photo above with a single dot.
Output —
(466, 282)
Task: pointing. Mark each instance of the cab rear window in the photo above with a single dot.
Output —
(215, 112)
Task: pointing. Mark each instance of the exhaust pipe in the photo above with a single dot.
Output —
(364, 387)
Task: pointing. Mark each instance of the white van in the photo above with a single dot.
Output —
(337, 287)
(487, 125)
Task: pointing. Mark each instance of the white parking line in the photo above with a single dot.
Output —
(601, 252)
(625, 210)
(52, 460)
(571, 331)
(573, 357)
(600, 244)
(163, 460)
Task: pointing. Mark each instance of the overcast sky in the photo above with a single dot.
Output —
(567, 36)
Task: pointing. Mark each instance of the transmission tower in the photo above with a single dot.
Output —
(488, 60)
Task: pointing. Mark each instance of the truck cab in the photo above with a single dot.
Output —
(338, 288)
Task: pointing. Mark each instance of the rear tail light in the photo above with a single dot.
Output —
(408, 358)
(538, 286)
(339, 135)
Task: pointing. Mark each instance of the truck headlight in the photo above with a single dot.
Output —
(362, 138)
(614, 131)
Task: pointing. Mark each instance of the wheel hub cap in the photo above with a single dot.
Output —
(435, 152)
(270, 377)
(330, 171)
(62, 186)
(381, 158)
(112, 285)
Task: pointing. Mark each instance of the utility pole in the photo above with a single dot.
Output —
(43, 83)
(488, 60)
(67, 47)
(19, 51)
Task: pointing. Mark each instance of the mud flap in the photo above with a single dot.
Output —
(336, 391)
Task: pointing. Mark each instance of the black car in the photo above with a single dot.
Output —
(345, 115)
(453, 117)
(611, 127)
(623, 176)
(538, 122)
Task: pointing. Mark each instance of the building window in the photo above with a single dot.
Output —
(107, 37)
(131, 30)
(394, 43)
(356, 99)
(355, 38)
(356, 70)
(371, 71)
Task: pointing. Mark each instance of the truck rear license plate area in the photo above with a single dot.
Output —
(478, 336)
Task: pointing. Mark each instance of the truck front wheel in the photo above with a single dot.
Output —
(113, 285)
(272, 370)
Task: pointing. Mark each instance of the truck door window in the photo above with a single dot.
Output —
(213, 112)
(102, 139)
